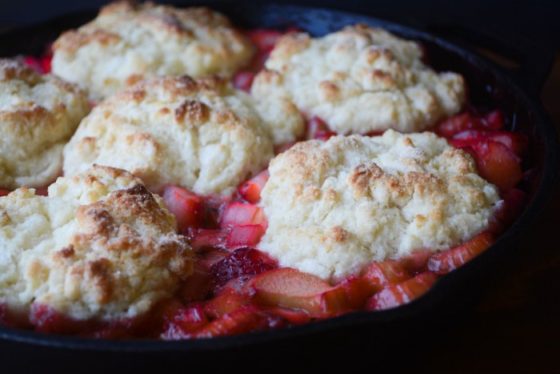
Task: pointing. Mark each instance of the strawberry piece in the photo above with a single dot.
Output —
(516, 142)
(41, 65)
(497, 164)
(457, 123)
(251, 190)
(227, 301)
(318, 129)
(46, 319)
(494, 120)
(398, 294)
(242, 262)
(46, 64)
(196, 287)
(243, 80)
(4, 192)
(244, 236)
(380, 274)
(264, 39)
(468, 138)
(237, 322)
(33, 63)
(181, 322)
(239, 214)
(185, 205)
(209, 258)
(207, 238)
(451, 259)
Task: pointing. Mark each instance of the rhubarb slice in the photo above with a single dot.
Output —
(451, 259)
(402, 293)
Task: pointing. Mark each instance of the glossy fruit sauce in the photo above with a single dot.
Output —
(237, 289)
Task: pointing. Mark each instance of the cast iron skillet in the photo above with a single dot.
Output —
(490, 86)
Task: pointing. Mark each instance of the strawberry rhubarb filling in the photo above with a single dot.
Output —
(240, 286)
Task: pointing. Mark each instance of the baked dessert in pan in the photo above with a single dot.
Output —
(348, 215)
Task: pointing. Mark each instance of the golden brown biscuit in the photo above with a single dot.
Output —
(199, 134)
(359, 80)
(128, 42)
(38, 114)
(335, 206)
(99, 246)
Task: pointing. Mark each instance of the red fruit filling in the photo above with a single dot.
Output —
(451, 259)
(41, 65)
(185, 205)
(236, 289)
(251, 190)
(496, 152)
(467, 121)
(318, 129)
(240, 214)
(242, 262)
(237, 322)
(401, 293)
(180, 322)
(498, 164)
(290, 288)
(243, 80)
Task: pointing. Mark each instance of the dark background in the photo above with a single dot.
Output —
(515, 327)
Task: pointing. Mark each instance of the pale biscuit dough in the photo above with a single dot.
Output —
(359, 80)
(335, 206)
(38, 115)
(99, 246)
(128, 42)
(199, 134)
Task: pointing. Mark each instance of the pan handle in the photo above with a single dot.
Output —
(529, 62)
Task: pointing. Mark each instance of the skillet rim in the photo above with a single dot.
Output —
(545, 131)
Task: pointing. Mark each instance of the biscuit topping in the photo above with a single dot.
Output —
(335, 206)
(199, 134)
(128, 42)
(38, 114)
(358, 80)
(100, 246)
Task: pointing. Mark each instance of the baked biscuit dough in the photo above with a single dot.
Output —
(199, 134)
(99, 246)
(335, 206)
(128, 42)
(38, 115)
(359, 80)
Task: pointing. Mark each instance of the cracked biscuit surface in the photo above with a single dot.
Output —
(199, 134)
(359, 80)
(99, 246)
(335, 206)
(38, 114)
(128, 42)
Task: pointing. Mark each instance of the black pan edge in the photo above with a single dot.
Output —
(506, 242)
